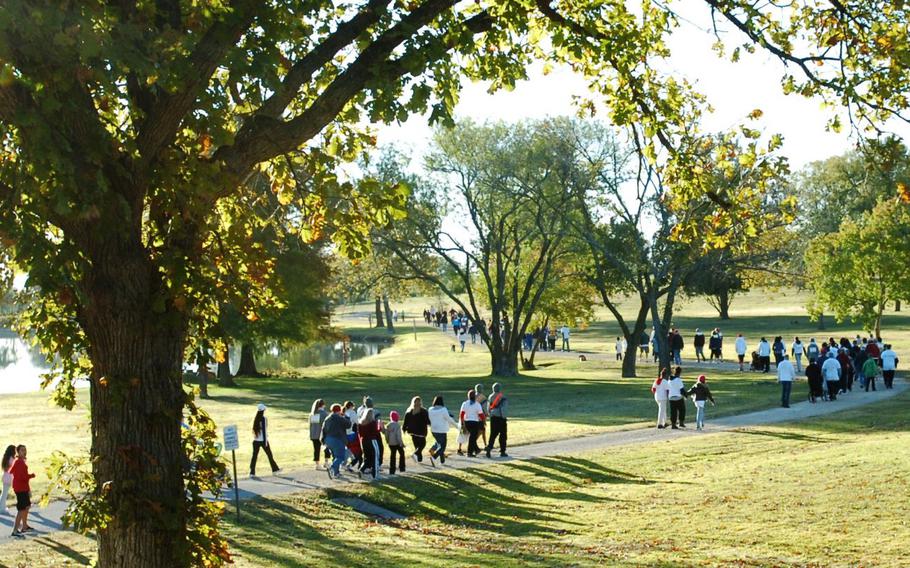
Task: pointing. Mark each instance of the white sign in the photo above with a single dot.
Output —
(230, 438)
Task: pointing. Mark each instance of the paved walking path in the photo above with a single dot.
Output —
(48, 519)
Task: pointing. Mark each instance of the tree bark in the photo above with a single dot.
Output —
(137, 401)
(504, 363)
(389, 325)
(224, 372)
(247, 367)
(723, 304)
(630, 359)
(379, 322)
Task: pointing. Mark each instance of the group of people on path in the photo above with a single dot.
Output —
(544, 338)
(670, 392)
(17, 477)
(358, 439)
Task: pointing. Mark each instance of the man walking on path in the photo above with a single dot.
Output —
(889, 365)
(831, 374)
(764, 353)
(785, 376)
(499, 407)
(677, 396)
(741, 350)
(565, 338)
(870, 372)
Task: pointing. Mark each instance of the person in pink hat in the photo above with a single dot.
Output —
(702, 394)
(395, 441)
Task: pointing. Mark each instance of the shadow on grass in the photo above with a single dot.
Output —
(780, 434)
(63, 550)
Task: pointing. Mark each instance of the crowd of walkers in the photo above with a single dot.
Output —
(544, 338)
(360, 440)
(17, 477)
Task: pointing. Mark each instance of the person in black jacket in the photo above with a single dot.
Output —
(814, 376)
(676, 346)
(702, 393)
(699, 345)
(416, 422)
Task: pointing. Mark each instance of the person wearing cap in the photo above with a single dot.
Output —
(661, 397)
(498, 409)
(702, 393)
(785, 375)
(831, 374)
(334, 436)
(261, 440)
(889, 365)
(395, 441)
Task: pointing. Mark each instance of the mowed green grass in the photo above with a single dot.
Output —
(825, 492)
(564, 397)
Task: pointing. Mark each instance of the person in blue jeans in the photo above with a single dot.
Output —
(334, 436)
(440, 422)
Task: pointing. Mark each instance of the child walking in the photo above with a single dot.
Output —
(702, 394)
(21, 487)
(396, 443)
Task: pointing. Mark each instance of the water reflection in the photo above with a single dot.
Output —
(21, 365)
(315, 355)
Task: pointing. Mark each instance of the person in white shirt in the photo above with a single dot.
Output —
(620, 348)
(472, 417)
(889, 365)
(440, 422)
(785, 376)
(565, 338)
(660, 388)
(797, 350)
(741, 350)
(677, 395)
(764, 352)
(831, 375)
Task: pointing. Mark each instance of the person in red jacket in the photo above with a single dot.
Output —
(21, 478)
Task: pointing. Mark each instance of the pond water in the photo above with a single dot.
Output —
(21, 365)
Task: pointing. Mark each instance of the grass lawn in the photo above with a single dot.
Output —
(825, 492)
(565, 397)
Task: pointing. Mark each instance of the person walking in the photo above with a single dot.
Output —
(395, 442)
(715, 344)
(812, 351)
(498, 410)
(661, 396)
(785, 376)
(644, 342)
(870, 372)
(699, 344)
(677, 395)
(676, 346)
(440, 422)
(471, 417)
(261, 440)
(831, 373)
(619, 349)
(416, 422)
(797, 350)
(702, 394)
(484, 403)
(889, 365)
(23, 491)
(368, 430)
(8, 456)
(740, 347)
(334, 436)
(318, 414)
(565, 338)
(814, 377)
(764, 353)
(462, 338)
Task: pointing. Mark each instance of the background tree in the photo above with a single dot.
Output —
(496, 214)
(857, 270)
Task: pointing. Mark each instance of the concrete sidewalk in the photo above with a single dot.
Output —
(48, 520)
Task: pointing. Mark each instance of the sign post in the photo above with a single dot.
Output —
(232, 443)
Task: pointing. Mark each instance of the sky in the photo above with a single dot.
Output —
(733, 89)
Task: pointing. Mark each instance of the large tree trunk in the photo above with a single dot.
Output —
(224, 371)
(388, 313)
(723, 304)
(137, 401)
(379, 322)
(504, 363)
(247, 367)
(629, 361)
